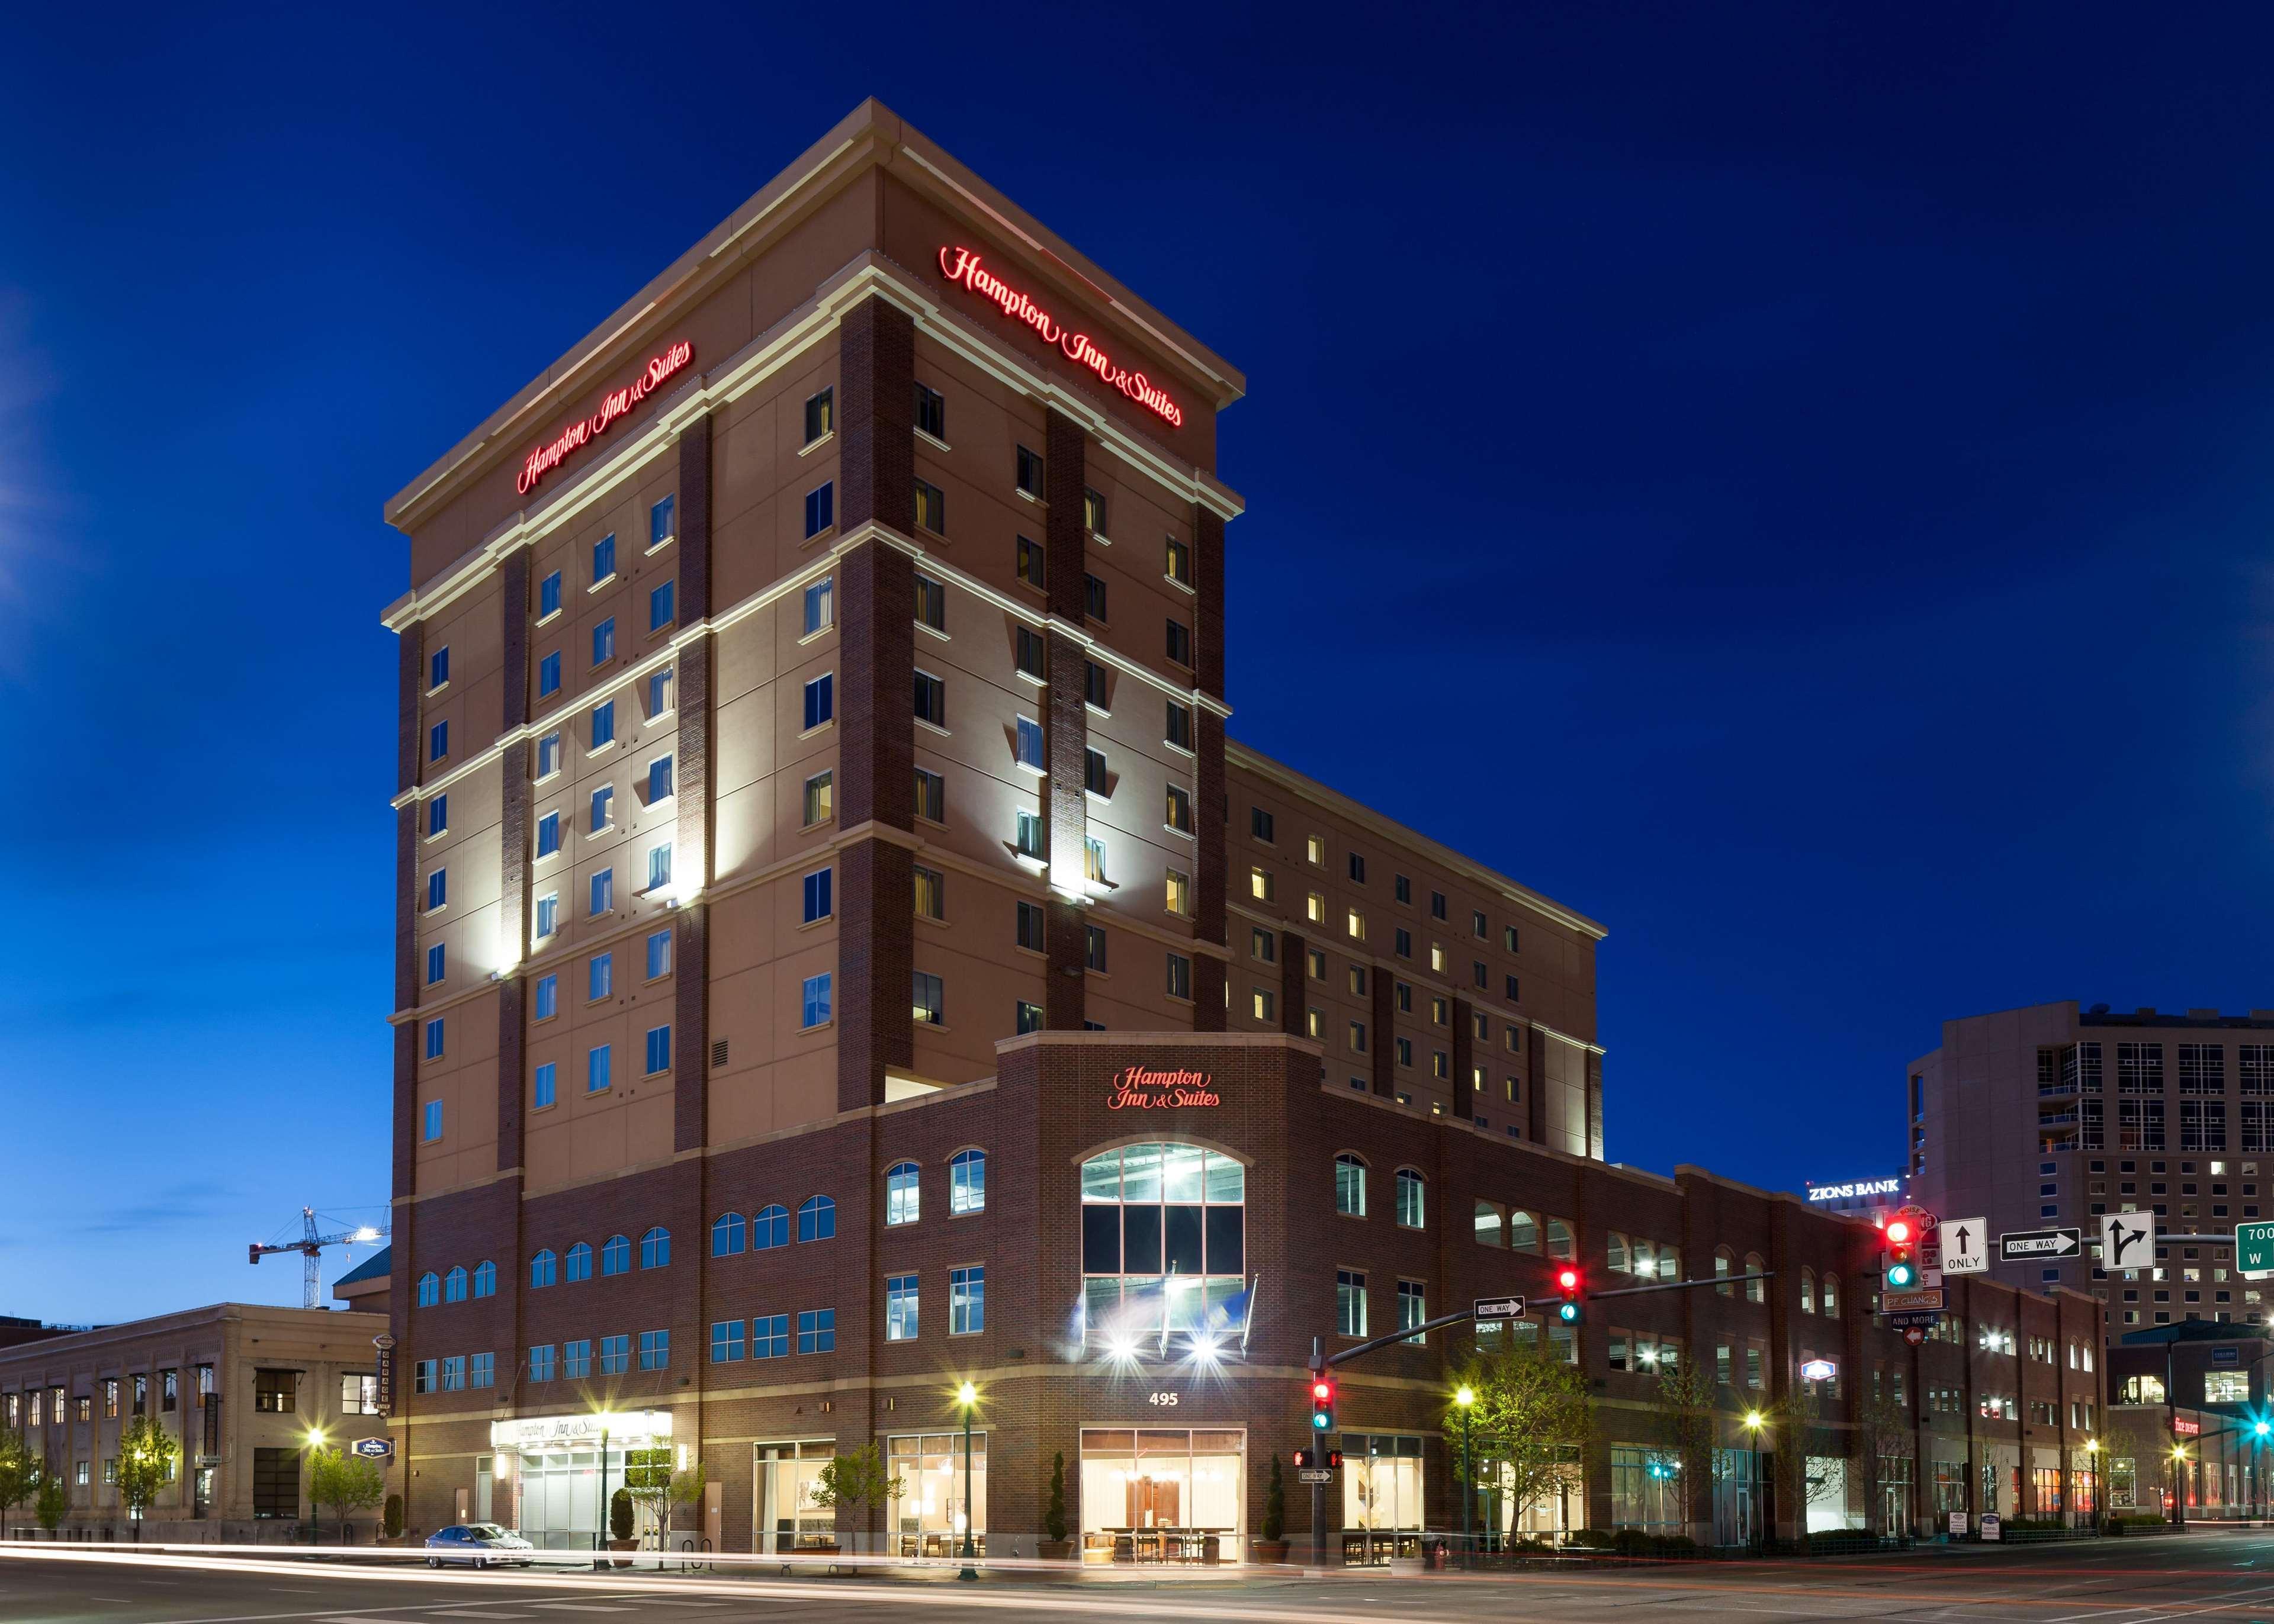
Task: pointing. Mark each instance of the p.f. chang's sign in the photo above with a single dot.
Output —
(1136, 1088)
(962, 266)
(614, 405)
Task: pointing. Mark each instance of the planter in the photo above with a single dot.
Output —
(622, 1545)
(1054, 1550)
(1408, 1567)
(1271, 1549)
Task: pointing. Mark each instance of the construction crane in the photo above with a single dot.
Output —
(311, 1246)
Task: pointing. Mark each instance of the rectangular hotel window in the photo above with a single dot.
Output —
(821, 699)
(1261, 885)
(548, 755)
(603, 896)
(900, 1306)
(659, 780)
(931, 411)
(1259, 824)
(603, 641)
(820, 799)
(431, 1129)
(1179, 816)
(603, 809)
(817, 899)
(931, 603)
(438, 817)
(1093, 772)
(548, 915)
(1405, 1052)
(659, 954)
(660, 525)
(1358, 1037)
(603, 559)
(548, 997)
(435, 969)
(1314, 850)
(1028, 1018)
(438, 742)
(1093, 511)
(548, 596)
(1357, 925)
(1402, 888)
(1357, 868)
(817, 1330)
(1094, 949)
(1180, 977)
(1314, 907)
(931, 893)
(543, 1096)
(1029, 928)
(1093, 597)
(658, 1049)
(1030, 473)
(1031, 659)
(1403, 944)
(820, 414)
(434, 1039)
(1093, 686)
(1266, 1003)
(1315, 964)
(438, 889)
(931, 796)
(1180, 563)
(931, 508)
(1405, 995)
(1511, 990)
(1031, 564)
(1180, 725)
(1508, 938)
(1440, 1063)
(548, 675)
(662, 606)
(1512, 1039)
(1028, 838)
(967, 1301)
(438, 668)
(1093, 860)
(1263, 944)
(599, 976)
(814, 1000)
(1180, 642)
(930, 699)
(549, 835)
(1437, 957)
(1436, 904)
(598, 1061)
(1357, 981)
(1478, 921)
(820, 508)
(820, 606)
(1480, 972)
(930, 999)
(1179, 892)
(1350, 1303)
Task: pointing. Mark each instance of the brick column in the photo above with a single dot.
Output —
(690, 958)
(1211, 789)
(513, 859)
(1465, 1100)
(410, 735)
(1384, 984)
(1535, 1081)
(1065, 737)
(1291, 949)
(875, 880)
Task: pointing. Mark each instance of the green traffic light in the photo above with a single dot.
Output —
(1568, 1314)
(1901, 1274)
(1321, 1420)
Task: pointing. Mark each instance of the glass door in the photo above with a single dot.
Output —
(788, 1518)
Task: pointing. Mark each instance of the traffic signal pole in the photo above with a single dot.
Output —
(1318, 1362)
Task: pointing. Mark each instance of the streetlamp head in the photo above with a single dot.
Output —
(1465, 1398)
(966, 1395)
(1753, 1418)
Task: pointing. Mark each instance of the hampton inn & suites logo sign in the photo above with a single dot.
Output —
(962, 266)
(614, 405)
(1137, 1088)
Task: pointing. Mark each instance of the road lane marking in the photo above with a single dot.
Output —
(577, 1607)
(474, 1612)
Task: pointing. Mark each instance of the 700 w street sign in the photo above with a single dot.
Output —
(2254, 1247)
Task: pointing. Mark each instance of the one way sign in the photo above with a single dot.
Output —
(1965, 1245)
(2019, 1246)
(2127, 1240)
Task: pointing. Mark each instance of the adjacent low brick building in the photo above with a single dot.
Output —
(840, 955)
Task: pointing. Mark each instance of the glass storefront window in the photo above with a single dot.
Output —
(788, 1517)
(1382, 1495)
(1163, 1244)
(1647, 1490)
(928, 1518)
(1162, 1495)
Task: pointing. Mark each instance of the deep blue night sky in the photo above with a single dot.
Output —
(1788, 483)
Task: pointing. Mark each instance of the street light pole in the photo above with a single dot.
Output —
(966, 1395)
(1466, 1399)
(1753, 1427)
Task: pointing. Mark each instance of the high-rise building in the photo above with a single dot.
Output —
(2051, 1115)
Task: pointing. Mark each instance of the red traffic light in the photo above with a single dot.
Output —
(1898, 1232)
(1322, 1391)
(1568, 1279)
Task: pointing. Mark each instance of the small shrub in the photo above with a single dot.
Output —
(391, 1517)
(1589, 1538)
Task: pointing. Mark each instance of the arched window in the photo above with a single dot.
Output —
(655, 1248)
(430, 1289)
(580, 1262)
(1828, 1299)
(967, 1183)
(1614, 1252)
(1491, 1228)
(616, 1255)
(1523, 1231)
(1163, 1243)
(1642, 1256)
(903, 1195)
(770, 1228)
(1559, 1239)
(454, 1285)
(1724, 1261)
(485, 1280)
(1808, 1292)
(541, 1268)
(1670, 1262)
(1350, 1185)
(1410, 1212)
(726, 1235)
(817, 1220)
(1753, 1266)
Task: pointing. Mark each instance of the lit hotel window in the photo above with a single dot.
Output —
(1179, 898)
(1357, 926)
(1180, 563)
(1260, 885)
(820, 415)
(931, 508)
(820, 606)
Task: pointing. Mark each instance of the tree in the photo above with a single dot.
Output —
(686, 1489)
(1054, 1516)
(1882, 1436)
(1688, 1425)
(1274, 1504)
(54, 1501)
(20, 1472)
(346, 1482)
(1532, 1415)
(647, 1479)
(390, 1518)
(146, 1457)
(855, 1478)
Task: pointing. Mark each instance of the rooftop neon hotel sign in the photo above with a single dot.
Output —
(614, 405)
(1141, 1089)
(962, 266)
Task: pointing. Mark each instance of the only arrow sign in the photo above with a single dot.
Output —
(2014, 1246)
(1965, 1245)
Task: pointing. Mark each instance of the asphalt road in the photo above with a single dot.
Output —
(2219, 1574)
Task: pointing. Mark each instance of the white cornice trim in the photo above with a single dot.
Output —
(1593, 1048)
(1238, 755)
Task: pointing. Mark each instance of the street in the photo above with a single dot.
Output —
(2223, 1573)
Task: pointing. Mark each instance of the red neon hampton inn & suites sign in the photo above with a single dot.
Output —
(1140, 1089)
(961, 266)
(617, 403)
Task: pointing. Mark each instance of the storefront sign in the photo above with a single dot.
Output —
(616, 404)
(1817, 1370)
(1136, 1088)
(373, 1448)
(2186, 1428)
(629, 1427)
(386, 1379)
(962, 266)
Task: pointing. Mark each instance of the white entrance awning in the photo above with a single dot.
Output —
(631, 1428)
